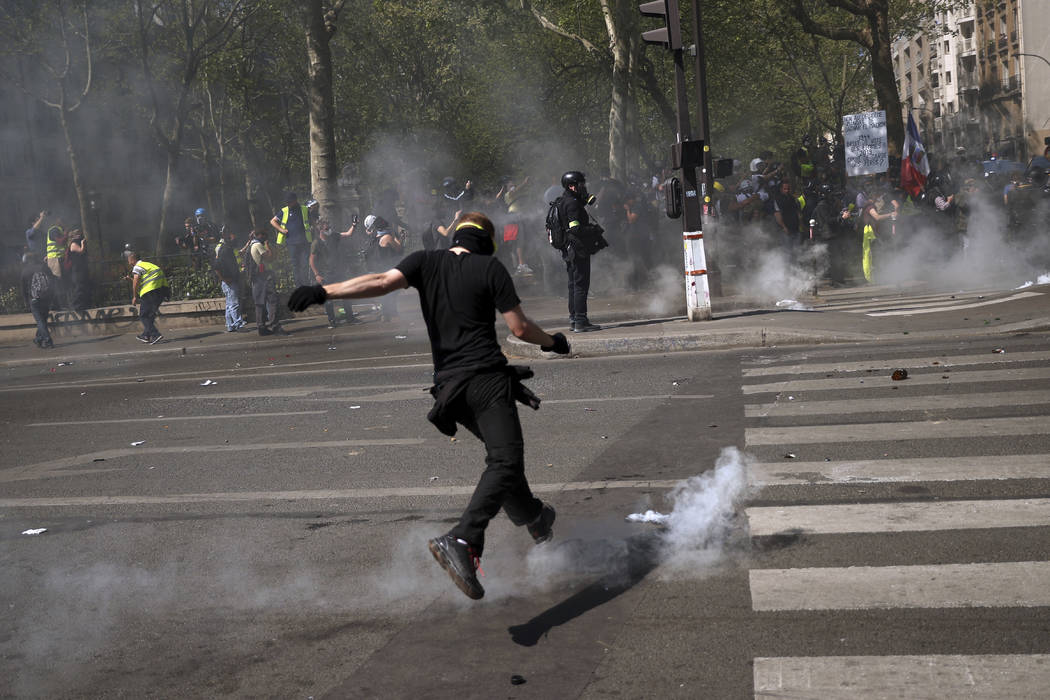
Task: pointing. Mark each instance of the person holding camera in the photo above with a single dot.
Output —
(382, 249)
(76, 264)
(226, 269)
(324, 264)
(460, 291)
(34, 241)
(585, 239)
(258, 262)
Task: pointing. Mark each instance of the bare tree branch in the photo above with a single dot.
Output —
(798, 11)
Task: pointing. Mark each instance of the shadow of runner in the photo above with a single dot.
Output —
(639, 555)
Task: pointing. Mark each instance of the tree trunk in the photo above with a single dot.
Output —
(207, 170)
(886, 82)
(324, 170)
(167, 200)
(74, 165)
(621, 97)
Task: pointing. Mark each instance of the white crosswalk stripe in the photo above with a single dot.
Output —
(911, 305)
(851, 403)
(932, 677)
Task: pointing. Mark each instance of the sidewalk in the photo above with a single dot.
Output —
(631, 324)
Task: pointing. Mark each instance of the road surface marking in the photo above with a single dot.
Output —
(901, 301)
(155, 380)
(405, 396)
(798, 407)
(165, 419)
(877, 471)
(319, 495)
(954, 307)
(1005, 584)
(889, 431)
(931, 677)
(54, 467)
(926, 362)
(898, 517)
(288, 392)
(882, 381)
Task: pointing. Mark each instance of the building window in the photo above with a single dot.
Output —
(948, 77)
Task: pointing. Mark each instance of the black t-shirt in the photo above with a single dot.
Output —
(788, 207)
(460, 295)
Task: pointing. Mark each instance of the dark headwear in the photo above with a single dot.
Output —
(474, 238)
(290, 198)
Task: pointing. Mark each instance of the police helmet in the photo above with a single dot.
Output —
(573, 177)
(448, 184)
(200, 212)
(370, 221)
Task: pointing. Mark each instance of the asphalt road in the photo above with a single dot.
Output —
(267, 537)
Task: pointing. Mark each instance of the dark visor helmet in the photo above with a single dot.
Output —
(573, 177)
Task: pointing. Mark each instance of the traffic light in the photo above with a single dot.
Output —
(669, 35)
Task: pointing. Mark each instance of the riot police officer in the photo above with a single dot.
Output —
(584, 240)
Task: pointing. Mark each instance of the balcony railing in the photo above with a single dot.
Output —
(966, 44)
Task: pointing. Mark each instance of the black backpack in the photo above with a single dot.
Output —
(557, 233)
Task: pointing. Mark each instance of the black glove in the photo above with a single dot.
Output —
(560, 345)
(303, 297)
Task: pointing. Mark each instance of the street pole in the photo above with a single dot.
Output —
(686, 155)
(707, 179)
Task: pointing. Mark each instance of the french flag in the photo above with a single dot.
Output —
(915, 167)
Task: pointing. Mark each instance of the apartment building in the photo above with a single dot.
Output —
(978, 82)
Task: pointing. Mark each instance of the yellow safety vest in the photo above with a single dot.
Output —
(306, 224)
(152, 278)
(54, 248)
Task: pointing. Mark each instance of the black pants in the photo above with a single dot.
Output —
(578, 265)
(149, 305)
(486, 408)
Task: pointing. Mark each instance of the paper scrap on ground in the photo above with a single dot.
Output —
(34, 531)
(138, 442)
(400, 337)
(208, 382)
(793, 305)
(649, 516)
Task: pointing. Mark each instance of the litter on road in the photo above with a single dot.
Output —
(899, 374)
(208, 382)
(138, 442)
(649, 516)
(34, 531)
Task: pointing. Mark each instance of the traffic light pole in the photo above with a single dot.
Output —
(687, 156)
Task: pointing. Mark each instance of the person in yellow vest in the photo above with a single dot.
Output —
(149, 289)
(293, 229)
(56, 243)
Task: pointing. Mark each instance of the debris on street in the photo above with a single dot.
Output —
(34, 531)
(899, 374)
(649, 516)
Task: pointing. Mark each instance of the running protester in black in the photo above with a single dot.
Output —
(460, 289)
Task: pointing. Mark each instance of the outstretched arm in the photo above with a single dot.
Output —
(371, 285)
(526, 329)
